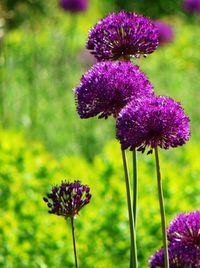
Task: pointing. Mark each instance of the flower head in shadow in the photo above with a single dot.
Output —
(74, 5)
(122, 35)
(108, 86)
(165, 32)
(180, 256)
(184, 246)
(68, 199)
(191, 6)
(151, 122)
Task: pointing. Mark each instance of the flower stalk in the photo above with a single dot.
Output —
(135, 187)
(74, 243)
(162, 209)
(134, 263)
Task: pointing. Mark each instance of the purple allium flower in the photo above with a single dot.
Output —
(108, 86)
(121, 35)
(68, 198)
(165, 32)
(151, 122)
(74, 5)
(191, 6)
(180, 256)
(185, 228)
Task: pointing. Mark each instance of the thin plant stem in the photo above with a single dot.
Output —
(135, 187)
(2, 66)
(74, 242)
(162, 209)
(133, 257)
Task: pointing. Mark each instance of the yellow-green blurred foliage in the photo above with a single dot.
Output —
(30, 237)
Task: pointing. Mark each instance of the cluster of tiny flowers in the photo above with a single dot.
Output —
(68, 198)
(121, 35)
(151, 122)
(191, 6)
(165, 32)
(74, 5)
(108, 86)
(184, 247)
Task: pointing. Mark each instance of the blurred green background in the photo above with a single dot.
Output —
(43, 140)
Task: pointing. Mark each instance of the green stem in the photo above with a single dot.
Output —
(2, 64)
(135, 187)
(74, 243)
(32, 78)
(162, 209)
(133, 257)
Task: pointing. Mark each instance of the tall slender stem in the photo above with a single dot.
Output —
(74, 243)
(162, 209)
(135, 188)
(134, 263)
(2, 66)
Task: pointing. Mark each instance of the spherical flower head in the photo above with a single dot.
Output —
(191, 6)
(74, 5)
(165, 32)
(180, 256)
(122, 35)
(151, 122)
(108, 86)
(185, 228)
(68, 199)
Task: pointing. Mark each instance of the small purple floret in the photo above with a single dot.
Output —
(191, 6)
(165, 32)
(151, 122)
(108, 86)
(68, 198)
(122, 35)
(74, 5)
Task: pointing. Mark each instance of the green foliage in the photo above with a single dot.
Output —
(16, 12)
(30, 237)
(154, 9)
(157, 8)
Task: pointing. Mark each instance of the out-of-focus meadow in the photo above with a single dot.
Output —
(43, 140)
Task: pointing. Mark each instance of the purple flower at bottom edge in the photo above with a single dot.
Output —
(74, 5)
(191, 6)
(68, 199)
(121, 35)
(185, 228)
(180, 256)
(151, 122)
(165, 32)
(108, 86)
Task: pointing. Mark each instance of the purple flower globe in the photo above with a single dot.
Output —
(151, 122)
(180, 256)
(185, 228)
(191, 6)
(122, 35)
(108, 86)
(165, 32)
(68, 199)
(74, 5)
